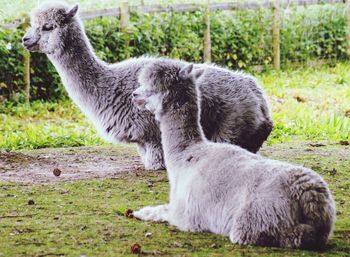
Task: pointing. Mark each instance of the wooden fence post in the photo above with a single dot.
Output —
(276, 35)
(207, 39)
(124, 25)
(348, 25)
(26, 64)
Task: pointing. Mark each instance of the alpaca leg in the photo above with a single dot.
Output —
(151, 156)
(153, 213)
(301, 236)
(244, 234)
(154, 157)
(317, 210)
(162, 213)
(183, 222)
(261, 222)
(142, 152)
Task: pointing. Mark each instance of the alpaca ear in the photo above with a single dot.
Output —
(72, 12)
(186, 71)
(197, 73)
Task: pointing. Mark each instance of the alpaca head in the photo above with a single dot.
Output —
(51, 25)
(166, 86)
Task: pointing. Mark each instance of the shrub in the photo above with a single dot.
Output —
(240, 39)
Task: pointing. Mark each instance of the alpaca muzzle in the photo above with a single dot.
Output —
(30, 42)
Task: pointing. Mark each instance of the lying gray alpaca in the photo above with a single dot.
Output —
(234, 108)
(223, 188)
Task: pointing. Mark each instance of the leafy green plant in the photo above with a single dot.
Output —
(240, 40)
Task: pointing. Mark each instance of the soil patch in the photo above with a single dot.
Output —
(79, 163)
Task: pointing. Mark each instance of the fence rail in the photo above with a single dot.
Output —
(249, 5)
(123, 13)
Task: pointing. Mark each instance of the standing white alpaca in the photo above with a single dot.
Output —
(234, 107)
(223, 188)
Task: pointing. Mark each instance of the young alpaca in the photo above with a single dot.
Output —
(234, 107)
(223, 188)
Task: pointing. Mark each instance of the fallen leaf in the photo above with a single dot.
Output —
(317, 144)
(129, 213)
(56, 172)
(135, 249)
(299, 99)
(332, 172)
(344, 142)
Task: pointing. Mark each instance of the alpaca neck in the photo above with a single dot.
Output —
(180, 129)
(78, 66)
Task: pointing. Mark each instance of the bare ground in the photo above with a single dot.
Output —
(37, 166)
(81, 163)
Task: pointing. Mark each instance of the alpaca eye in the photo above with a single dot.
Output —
(48, 27)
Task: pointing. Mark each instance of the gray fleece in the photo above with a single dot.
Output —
(234, 107)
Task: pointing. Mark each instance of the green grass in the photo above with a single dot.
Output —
(87, 218)
(43, 125)
(320, 113)
(309, 103)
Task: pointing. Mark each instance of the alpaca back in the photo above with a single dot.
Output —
(267, 202)
(233, 107)
(241, 102)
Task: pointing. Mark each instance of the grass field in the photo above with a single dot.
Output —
(87, 218)
(307, 104)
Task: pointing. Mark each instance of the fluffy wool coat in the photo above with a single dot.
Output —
(234, 107)
(223, 188)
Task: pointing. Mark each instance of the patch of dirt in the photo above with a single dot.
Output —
(302, 150)
(80, 163)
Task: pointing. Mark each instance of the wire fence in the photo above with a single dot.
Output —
(291, 30)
